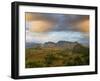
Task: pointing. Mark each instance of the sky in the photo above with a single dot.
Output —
(44, 27)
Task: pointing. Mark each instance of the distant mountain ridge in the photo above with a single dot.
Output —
(62, 44)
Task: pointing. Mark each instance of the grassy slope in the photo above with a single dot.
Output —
(52, 57)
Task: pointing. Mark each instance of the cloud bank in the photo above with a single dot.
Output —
(43, 27)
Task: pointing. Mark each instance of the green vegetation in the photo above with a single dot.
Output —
(56, 56)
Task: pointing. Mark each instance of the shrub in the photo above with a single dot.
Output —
(49, 59)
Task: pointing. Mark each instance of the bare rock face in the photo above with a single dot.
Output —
(49, 44)
(66, 44)
(63, 44)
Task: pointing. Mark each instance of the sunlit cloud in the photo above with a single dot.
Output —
(31, 16)
(82, 26)
(40, 26)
